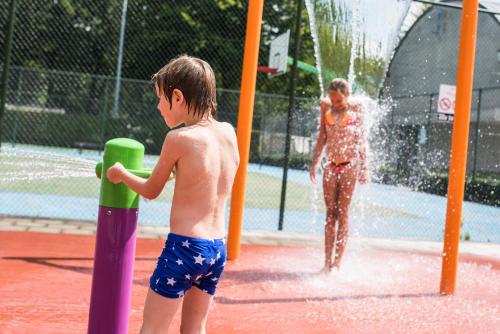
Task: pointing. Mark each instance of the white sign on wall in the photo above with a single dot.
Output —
(446, 102)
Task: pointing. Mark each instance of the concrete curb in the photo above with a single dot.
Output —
(42, 225)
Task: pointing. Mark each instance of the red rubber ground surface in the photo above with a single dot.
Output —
(45, 284)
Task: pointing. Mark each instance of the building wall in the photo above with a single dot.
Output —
(426, 58)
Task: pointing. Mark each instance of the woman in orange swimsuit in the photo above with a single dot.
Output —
(341, 131)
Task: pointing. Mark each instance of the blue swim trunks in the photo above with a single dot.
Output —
(187, 261)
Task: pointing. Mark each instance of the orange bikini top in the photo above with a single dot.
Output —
(345, 121)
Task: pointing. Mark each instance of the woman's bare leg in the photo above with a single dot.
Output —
(346, 185)
(341, 242)
(329, 238)
(330, 194)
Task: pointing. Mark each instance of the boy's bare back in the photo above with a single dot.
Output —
(204, 155)
(207, 160)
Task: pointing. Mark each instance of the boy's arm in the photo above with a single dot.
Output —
(150, 188)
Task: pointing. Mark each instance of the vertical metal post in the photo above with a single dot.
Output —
(476, 139)
(244, 130)
(430, 109)
(391, 133)
(104, 114)
(459, 141)
(291, 109)
(431, 99)
(6, 62)
(262, 113)
(18, 102)
(116, 107)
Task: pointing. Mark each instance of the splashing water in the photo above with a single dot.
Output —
(314, 33)
(356, 27)
(29, 165)
(375, 111)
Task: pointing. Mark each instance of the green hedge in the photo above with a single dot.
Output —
(66, 130)
(482, 190)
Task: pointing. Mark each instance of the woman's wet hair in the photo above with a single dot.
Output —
(194, 78)
(339, 85)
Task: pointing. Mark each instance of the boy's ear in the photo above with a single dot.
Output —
(177, 96)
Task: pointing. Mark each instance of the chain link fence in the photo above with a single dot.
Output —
(417, 153)
(63, 105)
(427, 139)
(415, 74)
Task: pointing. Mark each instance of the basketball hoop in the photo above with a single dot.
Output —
(267, 69)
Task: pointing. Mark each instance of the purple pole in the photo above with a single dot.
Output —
(110, 298)
(113, 271)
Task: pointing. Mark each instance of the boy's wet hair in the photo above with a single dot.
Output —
(194, 78)
(339, 85)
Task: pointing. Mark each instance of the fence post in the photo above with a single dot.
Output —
(425, 146)
(291, 108)
(104, 113)
(476, 139)
(18, 103)
(261, 133)
(6, 63)
(391, 133)
(430, 109)
(116, 106)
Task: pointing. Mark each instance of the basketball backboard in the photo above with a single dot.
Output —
(278, 53)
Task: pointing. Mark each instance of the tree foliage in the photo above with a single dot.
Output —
(335, 34)
(83, 36)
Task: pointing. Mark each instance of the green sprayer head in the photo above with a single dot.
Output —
(130, 153)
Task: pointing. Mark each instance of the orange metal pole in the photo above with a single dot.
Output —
(460, 135)
(244, 130)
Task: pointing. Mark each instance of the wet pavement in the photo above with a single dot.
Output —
(384, 286)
